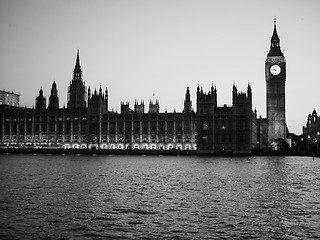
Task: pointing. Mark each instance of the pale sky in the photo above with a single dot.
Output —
(140, 48)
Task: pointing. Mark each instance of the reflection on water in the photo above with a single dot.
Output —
(151, 197)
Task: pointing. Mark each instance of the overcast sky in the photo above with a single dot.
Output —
(140, 48)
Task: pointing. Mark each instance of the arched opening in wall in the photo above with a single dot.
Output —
(169, 147)
(179, 147)
(66, 146)
(94, 146)
(104, 146)
(83, 146)
(75, 146)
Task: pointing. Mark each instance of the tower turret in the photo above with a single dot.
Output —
(187, 102)
(106, 99)
(139, 107)
(154, 106)
(206, 106)
(97, 102)
(54, 99)
(241, 101)
(89, 93)
(100, 91)
(40, 101)
(249, 92)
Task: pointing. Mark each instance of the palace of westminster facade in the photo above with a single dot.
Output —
(87, 123)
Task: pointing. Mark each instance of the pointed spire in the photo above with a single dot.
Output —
(275, 42)
(234, 88)
(314, 113)
(54, 88)
(78, 58)
(77, 68)
(275, 38)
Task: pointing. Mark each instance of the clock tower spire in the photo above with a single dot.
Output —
(275, 42)
(275, 73)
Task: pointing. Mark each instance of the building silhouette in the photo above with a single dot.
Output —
(77, 88)
(54, 98)
(312, 132)
(275, 72)
(88, 123)
(226, 129)
(41, 101)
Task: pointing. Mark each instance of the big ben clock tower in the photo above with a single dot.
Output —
(275, 71)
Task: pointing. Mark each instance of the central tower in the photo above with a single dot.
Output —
(275, 72)
(77, 89)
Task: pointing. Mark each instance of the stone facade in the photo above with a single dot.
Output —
(226, 129)
(87, 122)
(275, 73)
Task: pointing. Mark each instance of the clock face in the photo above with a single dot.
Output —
(275, 70)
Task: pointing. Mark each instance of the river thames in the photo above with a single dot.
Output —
(158, 197)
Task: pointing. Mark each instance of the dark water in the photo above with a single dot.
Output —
(143, 197)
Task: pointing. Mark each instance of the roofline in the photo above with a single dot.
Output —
(4, 91)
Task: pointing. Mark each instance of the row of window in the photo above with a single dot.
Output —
(226, 139)
(94, 127)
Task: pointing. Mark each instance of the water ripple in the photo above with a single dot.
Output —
(113, 197)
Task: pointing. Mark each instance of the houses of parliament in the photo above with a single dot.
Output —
(86, 122)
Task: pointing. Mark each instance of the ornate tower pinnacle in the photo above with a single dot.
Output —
(77, 73)
(77, 89)
(77, 67)
(275, 49)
